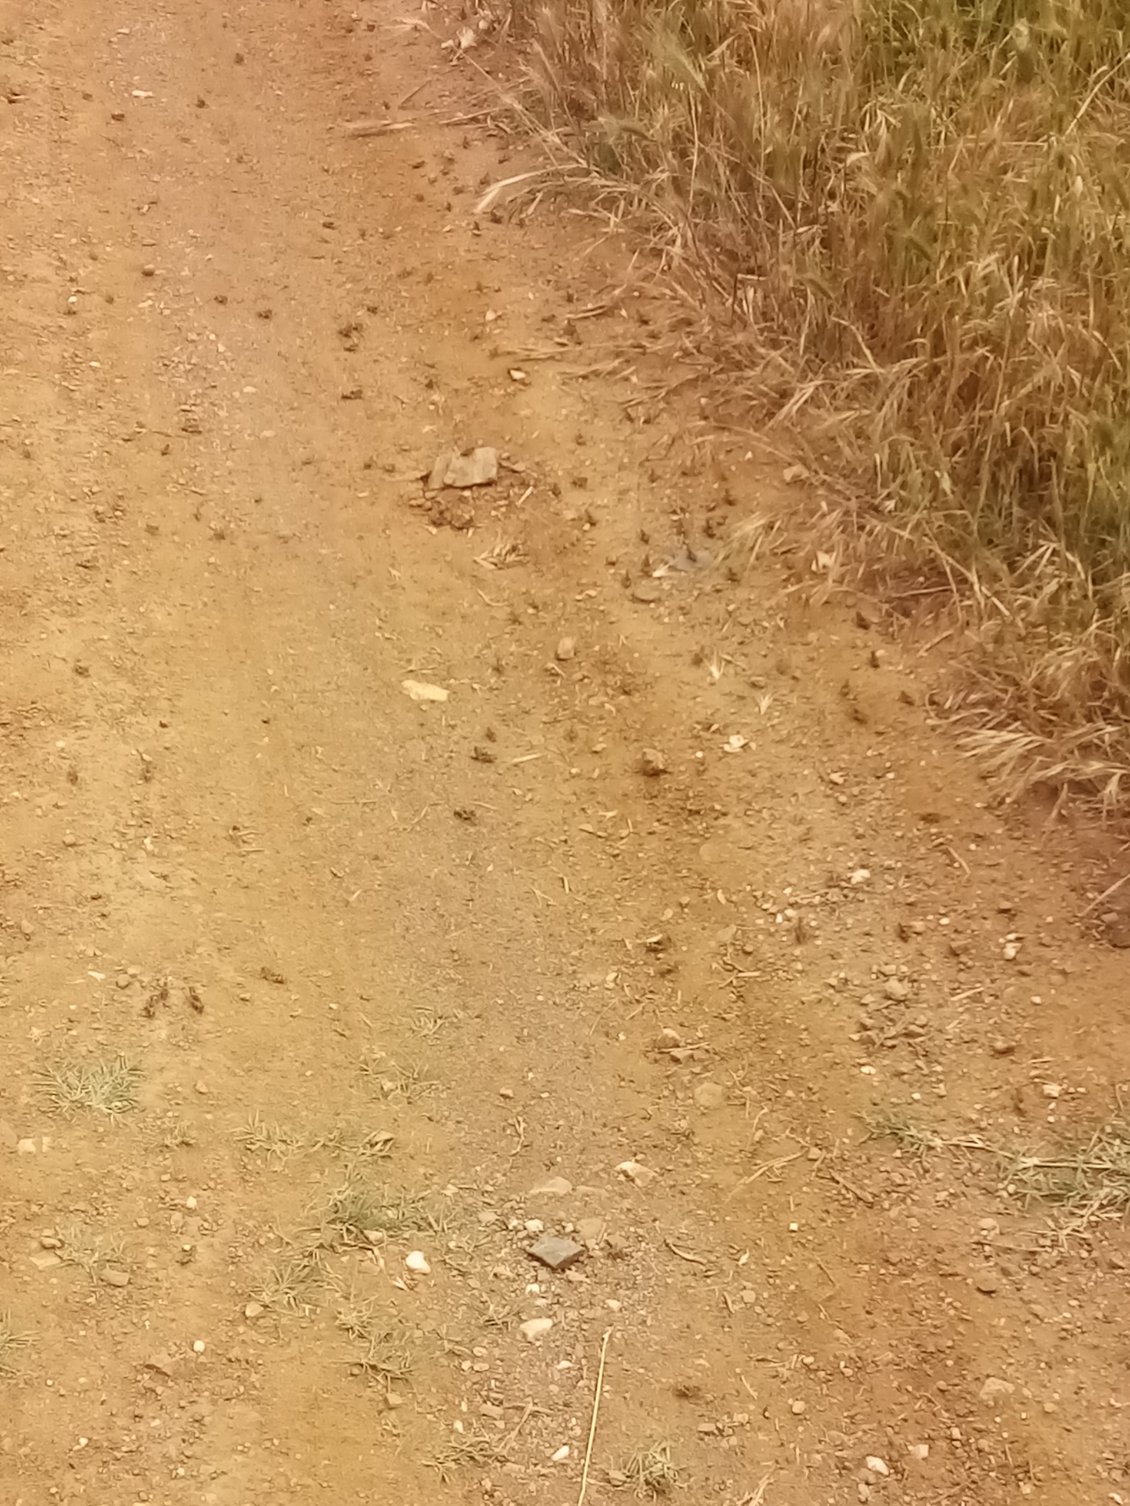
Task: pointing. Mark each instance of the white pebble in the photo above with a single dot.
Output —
(198, 1346)
(560, 1455)
(877, 1466)
(534, 1329)
(417, 1262)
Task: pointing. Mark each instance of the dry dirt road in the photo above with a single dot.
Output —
(321, 1005)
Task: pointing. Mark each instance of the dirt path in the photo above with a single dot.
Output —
(371, 978)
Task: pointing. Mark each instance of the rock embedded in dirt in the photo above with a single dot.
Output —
(647, 592)
(591, 1231)
(478, 468)
(556, 1252)
(641, 1175)
(566, 649)
(422, 692)
(534, 1329)
(252, 1311)
(995, 1390)
(709, 1095)
(652, 763)
(552, 1187)
(112, 1276)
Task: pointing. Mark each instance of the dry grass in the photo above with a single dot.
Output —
(1081, 1182)
(12, 1343)
(264, 1137)
(105, 1087)
(359, 1211)
(1085, 1182)
(291, 1280)
(649, 1471)
(911, 224)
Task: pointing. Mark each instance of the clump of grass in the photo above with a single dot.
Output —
(649, 1471)
(262, 1137)
(89, 1251)
(1089, 1182)
(109, 1087)
(358, 1210)
(474, 1447)
(386, 1354)
(354, 1144)
(911, 222)
(396, 1080)
(12, 1343)
(289, 1281)
(912, 1137)
(1083, 1182)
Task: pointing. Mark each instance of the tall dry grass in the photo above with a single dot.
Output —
(920, 211)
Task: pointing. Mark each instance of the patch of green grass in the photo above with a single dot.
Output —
(109, 1087)
(12, 1344)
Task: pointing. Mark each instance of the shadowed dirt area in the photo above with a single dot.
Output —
(393, 879)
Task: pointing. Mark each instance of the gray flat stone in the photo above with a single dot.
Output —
(555, 1252)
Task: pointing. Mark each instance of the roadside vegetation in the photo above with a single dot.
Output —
(911, 222)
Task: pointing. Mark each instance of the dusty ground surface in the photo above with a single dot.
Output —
(302, 977)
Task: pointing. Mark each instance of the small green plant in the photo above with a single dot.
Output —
(106, 1087)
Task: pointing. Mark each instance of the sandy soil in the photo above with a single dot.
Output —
(675, 931)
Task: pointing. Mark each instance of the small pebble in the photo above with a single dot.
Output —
(417, 1263)
(534, 1329)
(198, 1346)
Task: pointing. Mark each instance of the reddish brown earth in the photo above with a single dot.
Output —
(343, 947)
